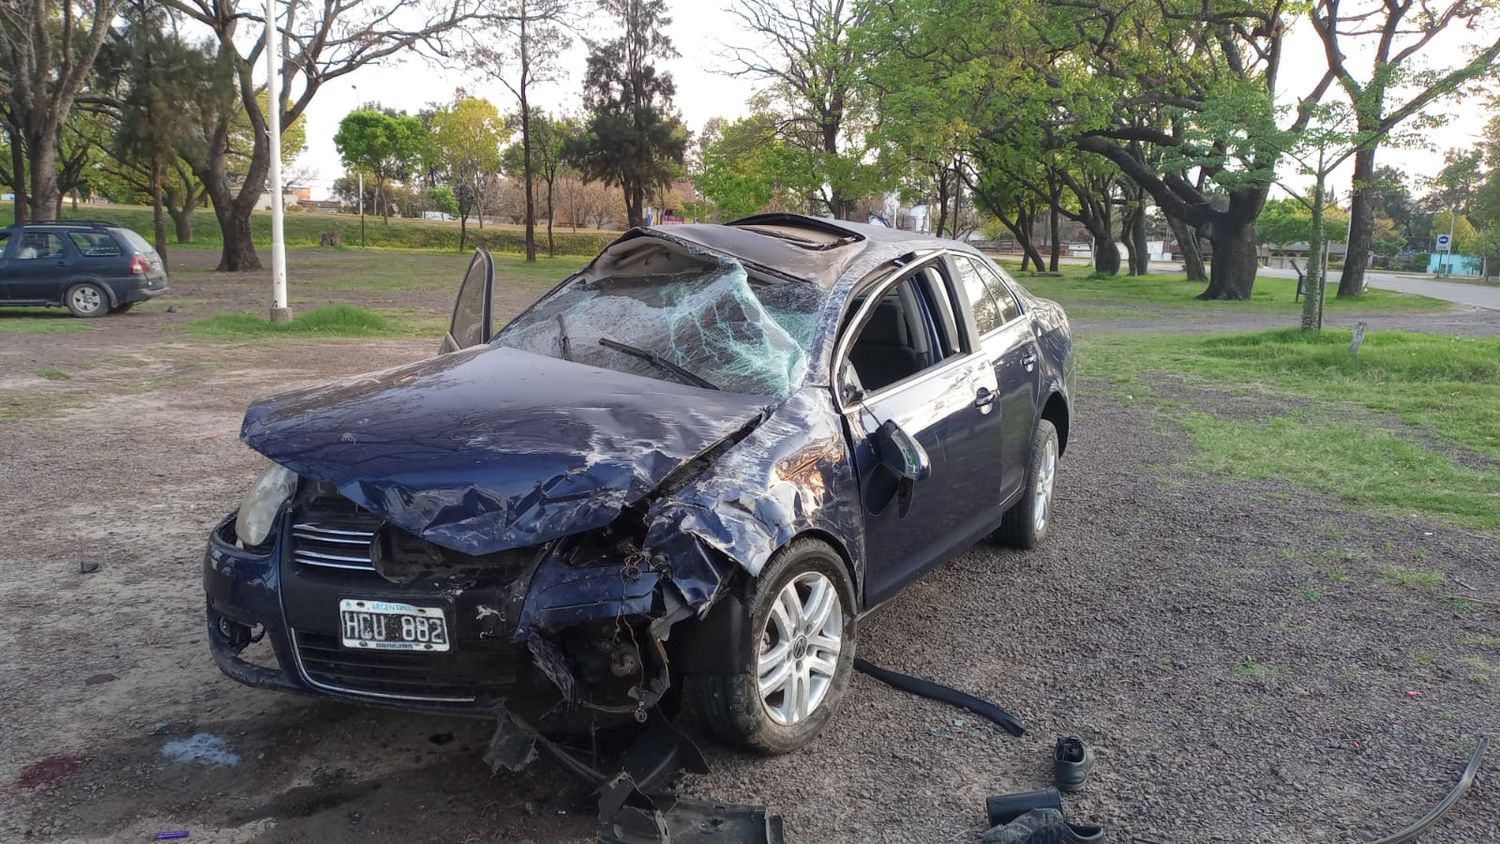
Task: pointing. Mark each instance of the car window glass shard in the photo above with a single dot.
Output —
(704, 315)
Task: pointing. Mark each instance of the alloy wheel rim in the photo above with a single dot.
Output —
(86, 299)
(799, 648)
(1045, 475)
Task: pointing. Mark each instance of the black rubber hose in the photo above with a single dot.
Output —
(1459, 790)
(939, 692)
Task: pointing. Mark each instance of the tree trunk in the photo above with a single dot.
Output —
(1187, 241)
(942, 202)
(45, 200)
(1361, 225)
(1054, 231)
(1235, 262)
(1312, 300)
(18, 177)
(182, 223)
(1106, 254)
(158, 219)
(1028, 252)
(1127, 236)
(1142, 247)
(551, 246)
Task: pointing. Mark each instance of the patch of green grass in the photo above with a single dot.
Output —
(408, 271)
(53, 374)
(1481, 670)
(1448, 385)
(40, 321)
(1308, 593)
(1461, 603)
(1482, 640)
(1412, 578)
(1256, 670)
(1356, 462)
(332, 321)
(1424, 658)
(1079, 287)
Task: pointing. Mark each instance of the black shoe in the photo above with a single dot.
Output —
(1044, 826)
(1004, 808)
(1072, 762)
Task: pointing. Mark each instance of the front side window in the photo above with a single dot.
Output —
(897, 339)
(95, 244)
(699, 319)
(38, 245)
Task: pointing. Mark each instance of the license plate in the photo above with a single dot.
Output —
(389, 626)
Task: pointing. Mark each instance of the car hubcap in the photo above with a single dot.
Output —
(1045, 474)
(799, 648)
(86, 299)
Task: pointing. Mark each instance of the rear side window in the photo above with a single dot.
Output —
(1006, 308)
(35, 246)
(987, 313)
(95, 244)
(135, 241)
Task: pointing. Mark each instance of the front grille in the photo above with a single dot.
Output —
(469, 672)
(333, 532)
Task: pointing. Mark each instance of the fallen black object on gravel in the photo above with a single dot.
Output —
(1044, 826)
(1072, 762)
(652, 754)
(87, 567)
(629, 816)
(1461, 788)
(945, 694)
(1001, 809)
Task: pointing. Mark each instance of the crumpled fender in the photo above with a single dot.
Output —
(791, 475)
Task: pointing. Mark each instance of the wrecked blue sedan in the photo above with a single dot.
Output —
(693, 465)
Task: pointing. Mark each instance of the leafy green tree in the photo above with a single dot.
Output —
(442, 199)
(548, 139)
(808, 58)
(465, 143)
(745, 167)
(386, 145)
(633, 138)
(1409, 69)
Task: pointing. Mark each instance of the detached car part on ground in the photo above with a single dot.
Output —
(694, 463)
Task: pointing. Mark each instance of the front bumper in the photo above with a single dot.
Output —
(493, 657)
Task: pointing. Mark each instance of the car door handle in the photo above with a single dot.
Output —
(984, 399)
(1028, 360)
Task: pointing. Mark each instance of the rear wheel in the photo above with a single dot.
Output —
(87, 300)
(1029, 520)
(796, 670)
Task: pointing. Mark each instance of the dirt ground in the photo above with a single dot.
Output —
(1236, 652)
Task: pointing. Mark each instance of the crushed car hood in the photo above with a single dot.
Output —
(494, 448)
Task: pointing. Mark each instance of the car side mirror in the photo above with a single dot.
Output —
(901, 453)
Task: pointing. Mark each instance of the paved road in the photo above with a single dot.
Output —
(1476, 295)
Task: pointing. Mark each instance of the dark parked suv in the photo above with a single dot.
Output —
(90, 268)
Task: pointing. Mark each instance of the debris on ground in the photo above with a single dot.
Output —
(629, 816)
(945, 694)
(203, 748)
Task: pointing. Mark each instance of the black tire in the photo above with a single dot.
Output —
(1021, 528)
(87, 300)
(731, 706)
(120, 309)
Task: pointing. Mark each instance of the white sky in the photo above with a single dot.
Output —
(703, 91)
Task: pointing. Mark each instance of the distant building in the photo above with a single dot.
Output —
(1447, 264)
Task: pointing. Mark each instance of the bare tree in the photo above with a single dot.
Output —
(321, 41)
(47, 53)
(810, 62)
(534, 33)
(1394, 89)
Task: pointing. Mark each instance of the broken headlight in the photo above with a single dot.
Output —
(262, 503)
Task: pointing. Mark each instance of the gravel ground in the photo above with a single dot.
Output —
(1241, 655)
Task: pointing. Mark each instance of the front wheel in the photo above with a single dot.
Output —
(87, 300)
(796, 669)
(1029, 520)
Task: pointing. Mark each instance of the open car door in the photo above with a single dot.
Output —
(473, 313)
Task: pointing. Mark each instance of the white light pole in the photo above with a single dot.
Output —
(280, 312)
(361, 174)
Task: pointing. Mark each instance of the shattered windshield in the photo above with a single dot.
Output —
(704, 322)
